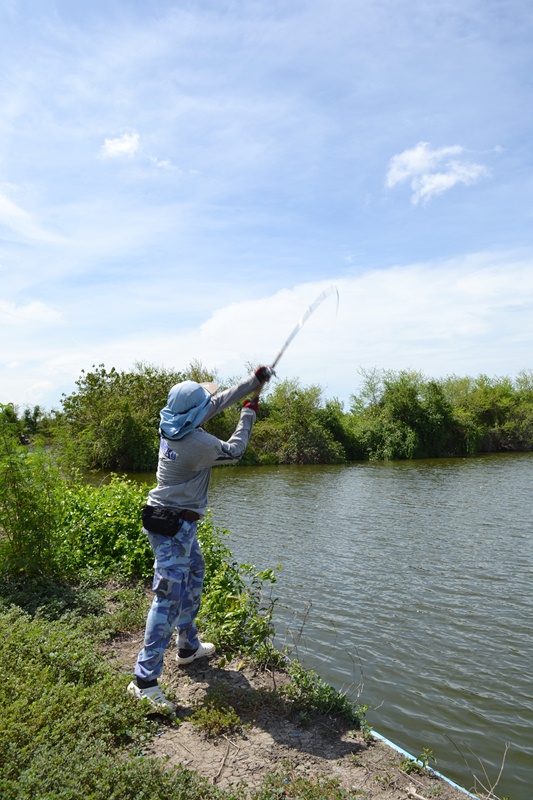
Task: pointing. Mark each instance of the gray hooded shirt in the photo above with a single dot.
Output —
(184, 465)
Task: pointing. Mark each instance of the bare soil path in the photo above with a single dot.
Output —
(269, 740)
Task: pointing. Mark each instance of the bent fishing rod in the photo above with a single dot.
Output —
(312, 308)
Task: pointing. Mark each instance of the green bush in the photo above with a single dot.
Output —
(293, 427)
(112, 420)
(25, 428)
(54, 527)
(31, 513)
(102, 529)
(495, 414)
(403, 415)
(236, 609)
(309, 692)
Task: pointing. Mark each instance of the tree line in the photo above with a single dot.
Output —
(111, 419)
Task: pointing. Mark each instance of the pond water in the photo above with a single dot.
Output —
(409, 585)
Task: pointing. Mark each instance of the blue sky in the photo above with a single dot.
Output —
(180, 180)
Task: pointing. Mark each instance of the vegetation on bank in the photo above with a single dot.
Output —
(111, 420)
(73, 564)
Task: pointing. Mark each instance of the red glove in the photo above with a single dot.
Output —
(253, 404)
(263, 374)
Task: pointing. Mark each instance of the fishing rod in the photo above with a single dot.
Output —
(312, 308)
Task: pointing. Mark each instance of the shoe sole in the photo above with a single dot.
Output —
(195, 657)
(159, 707)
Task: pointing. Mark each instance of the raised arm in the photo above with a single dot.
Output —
(231, 396)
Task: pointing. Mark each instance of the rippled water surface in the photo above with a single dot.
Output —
(414, 578)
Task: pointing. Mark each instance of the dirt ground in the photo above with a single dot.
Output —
(268, 742)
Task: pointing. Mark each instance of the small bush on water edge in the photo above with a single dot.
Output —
(237, 607)
(309, 692)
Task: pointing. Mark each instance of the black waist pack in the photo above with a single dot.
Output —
(161, 520)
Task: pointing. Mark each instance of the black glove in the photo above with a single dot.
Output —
(253, 404)
(263, 374)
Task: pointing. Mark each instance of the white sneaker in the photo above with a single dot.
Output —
(154, 695)
(204, 650)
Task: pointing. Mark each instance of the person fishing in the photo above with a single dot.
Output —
(187, 454)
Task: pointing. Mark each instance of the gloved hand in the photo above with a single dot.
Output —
(253, 404)
(263, 374)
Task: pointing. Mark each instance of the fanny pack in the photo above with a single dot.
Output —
(161, 520)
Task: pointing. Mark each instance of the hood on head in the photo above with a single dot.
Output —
(187, 405)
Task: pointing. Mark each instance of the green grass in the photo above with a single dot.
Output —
(288, 784)
(215, 715)
(69, 729)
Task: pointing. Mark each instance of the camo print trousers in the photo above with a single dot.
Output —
(178, 579)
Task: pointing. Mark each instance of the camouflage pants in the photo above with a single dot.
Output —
(178, 579)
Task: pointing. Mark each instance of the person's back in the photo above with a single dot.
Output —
(186, 456)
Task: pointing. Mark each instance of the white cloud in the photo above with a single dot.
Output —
(432, 172)
(32, 313)
(126, 145)
(163, 163)
(465, 316)
(21, 222)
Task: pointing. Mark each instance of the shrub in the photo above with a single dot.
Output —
(295, 428)
(102, 530)
(309, 692)
(31, 512)
(112, 420)
(403, 415)
(236, 610)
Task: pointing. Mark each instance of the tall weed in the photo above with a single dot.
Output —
(31, 512)
(237, 606)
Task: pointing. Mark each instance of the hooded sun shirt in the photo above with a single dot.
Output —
(187, 405)
(187, 452)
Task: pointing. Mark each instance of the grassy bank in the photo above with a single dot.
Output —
(69, 728)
